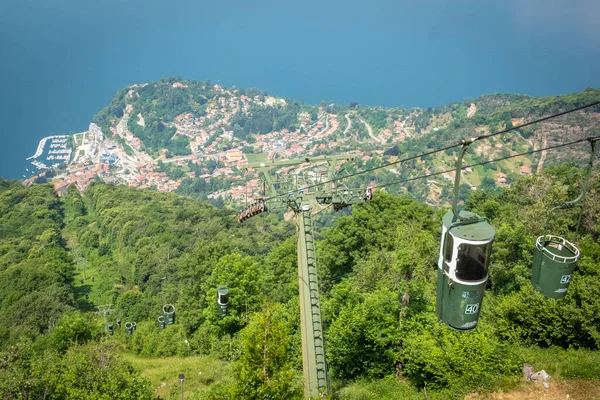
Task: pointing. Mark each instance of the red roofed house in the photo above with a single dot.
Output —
(501, 178)
(60, 187)
(137, 143)
(525, 170)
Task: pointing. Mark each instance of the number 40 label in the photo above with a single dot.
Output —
(472, 308)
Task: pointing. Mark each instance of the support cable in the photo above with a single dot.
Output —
(490, 161)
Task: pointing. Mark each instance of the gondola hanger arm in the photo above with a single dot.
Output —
(577, 202)
(465, 143)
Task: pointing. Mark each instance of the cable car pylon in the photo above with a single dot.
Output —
(463, 261)
(302, 195)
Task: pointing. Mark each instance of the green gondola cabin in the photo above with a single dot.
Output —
(169, 314)
(554, 261)
(463, 269)
(129, 328)
(222, 300)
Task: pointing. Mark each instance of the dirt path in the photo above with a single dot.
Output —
(122, 126)
(140, 156)
(316, 135)
(173, 159)
(370, 130)
(559, 390)
(540, 165)
(349, 124)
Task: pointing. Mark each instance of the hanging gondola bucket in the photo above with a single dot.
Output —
(553, 264)
(222, 300)
(129, 328)
(169, 314)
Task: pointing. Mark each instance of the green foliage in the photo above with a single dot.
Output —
(73, 328)
(35, 270)
(93, 371)
(244, 278)
(512, 256)
(114, 110)
(392, 151)
(437, 357)
(377, 268)
(281, 266)
(489, 103)
(134, 305)
(150, 341)
(265, 119)
(262, 371)
(558, 362)
(96, 372)
(363, 339)
(388, 388)
(488, 183)
(377, 118)
(372, 228)
(154, 134)
(528, 317)
(73, 205)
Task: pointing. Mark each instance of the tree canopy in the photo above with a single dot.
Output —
(377, 270)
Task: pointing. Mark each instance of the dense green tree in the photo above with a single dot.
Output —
(245, 281)
(488, 183)
(92, 371)
(263, 370)
(437, 357)
(281, 280)
(363, 339)
(393, 151)
(36, 271)
(371, 228)
(73, 328)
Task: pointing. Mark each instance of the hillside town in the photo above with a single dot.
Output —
(120, 159)
(218, 151)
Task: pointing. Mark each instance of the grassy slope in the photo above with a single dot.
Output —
(200, 372)
(260, 157)
(573, 372)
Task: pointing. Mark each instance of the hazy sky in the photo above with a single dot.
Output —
(62, 60)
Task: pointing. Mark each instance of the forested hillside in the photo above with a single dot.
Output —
(143, 249)
(49, 346)
(201, 135)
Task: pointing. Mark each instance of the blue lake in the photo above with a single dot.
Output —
(61, 61)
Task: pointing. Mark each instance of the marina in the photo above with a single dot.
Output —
(39, 165)
(58, 152)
